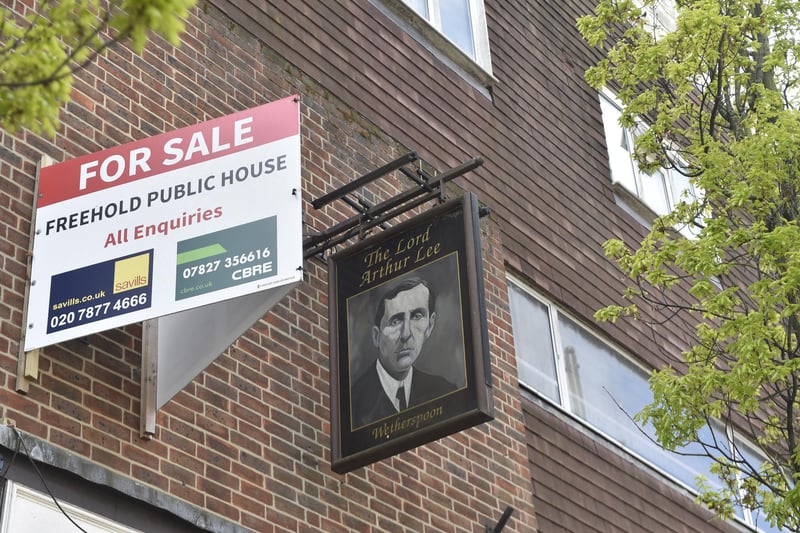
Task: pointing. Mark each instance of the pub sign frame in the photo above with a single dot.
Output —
(451, 388)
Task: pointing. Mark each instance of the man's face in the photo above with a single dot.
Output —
(405, 325)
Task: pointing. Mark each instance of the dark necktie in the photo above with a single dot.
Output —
(401, 397)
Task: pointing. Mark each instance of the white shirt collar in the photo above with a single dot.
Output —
(390, 385)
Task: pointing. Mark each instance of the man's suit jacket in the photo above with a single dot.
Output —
(369, 402)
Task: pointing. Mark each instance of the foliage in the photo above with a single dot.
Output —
(41, 49)
(720, 93)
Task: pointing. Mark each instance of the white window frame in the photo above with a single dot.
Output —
(26, 509)
(638, 189)
(563, 403)
(480, 33)
(475, 67)
(632, 197)
(662, 16)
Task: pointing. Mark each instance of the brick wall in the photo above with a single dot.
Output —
(582, 482)
(248, 439)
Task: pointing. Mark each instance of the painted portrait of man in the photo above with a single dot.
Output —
(405, 317)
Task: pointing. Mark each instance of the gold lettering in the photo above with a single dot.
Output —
(405, 245)
(428, 251)
(376, 256)
(390, 266)
(385, 430)
(365, 278)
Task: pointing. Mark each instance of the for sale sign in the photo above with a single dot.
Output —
(173, 222)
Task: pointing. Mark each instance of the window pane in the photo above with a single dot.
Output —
(604, 389)
(463, 22)
(682, 189)
(663, 15)
(619, 146)
(654, 192)
(533, 343)
(457, 24)
(691, 461)
(755, 459)
(420, 6)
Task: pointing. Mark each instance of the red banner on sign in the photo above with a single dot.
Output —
(168, 151)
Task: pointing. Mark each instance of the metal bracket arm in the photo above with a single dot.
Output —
(384, 211)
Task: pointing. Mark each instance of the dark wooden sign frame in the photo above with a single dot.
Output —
(451, 386)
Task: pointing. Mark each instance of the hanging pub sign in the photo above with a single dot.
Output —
(409, 346)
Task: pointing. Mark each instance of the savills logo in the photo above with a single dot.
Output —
(131, 273)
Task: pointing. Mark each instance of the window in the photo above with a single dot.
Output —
(561, 360)
(451, 28)
(660, 190)
(754, 517)
(537, 367)
(461, 21)
(25, 509)
(564, 362)
(662, 16)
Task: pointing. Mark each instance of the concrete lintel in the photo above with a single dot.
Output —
(44, 452)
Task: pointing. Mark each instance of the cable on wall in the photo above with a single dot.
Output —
(38, 473)
(4, 474)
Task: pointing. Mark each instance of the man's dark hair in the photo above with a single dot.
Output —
(405, 285)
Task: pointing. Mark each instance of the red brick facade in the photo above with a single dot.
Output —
(248, 441)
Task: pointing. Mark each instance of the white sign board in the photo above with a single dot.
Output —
(173, 222)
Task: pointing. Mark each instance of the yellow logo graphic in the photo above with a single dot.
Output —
(131, 273)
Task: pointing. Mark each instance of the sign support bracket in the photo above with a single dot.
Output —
(427, 188)
(28, 362)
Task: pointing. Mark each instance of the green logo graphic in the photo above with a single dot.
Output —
(227, 258)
